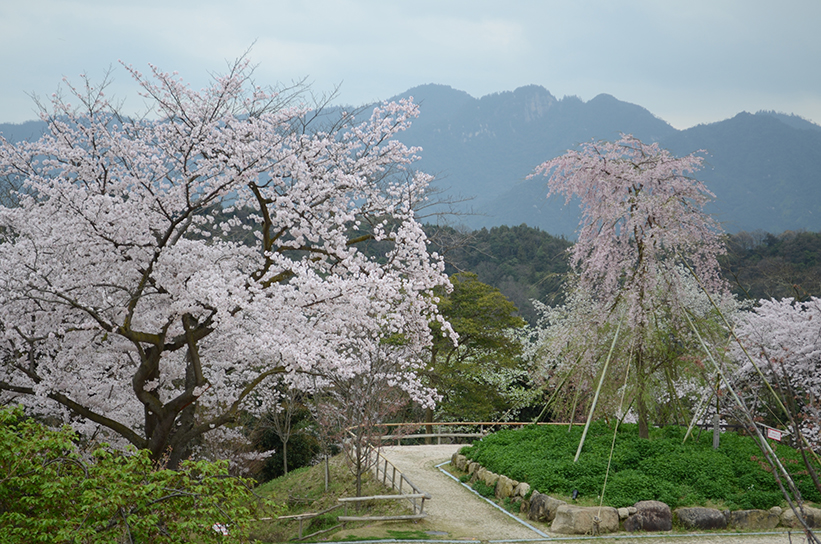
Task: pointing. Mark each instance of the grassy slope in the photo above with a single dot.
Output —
(303, 490)
(734, 476)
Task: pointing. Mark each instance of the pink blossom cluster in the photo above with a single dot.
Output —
(641, 215)
(783, 339)
(157, 272)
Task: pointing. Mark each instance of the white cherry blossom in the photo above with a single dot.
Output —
(158, 272)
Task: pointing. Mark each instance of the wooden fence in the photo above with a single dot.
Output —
(440, 430)
(393, 478)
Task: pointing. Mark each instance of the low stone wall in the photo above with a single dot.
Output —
(643, 516)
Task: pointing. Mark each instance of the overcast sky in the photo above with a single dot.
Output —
(688, 62)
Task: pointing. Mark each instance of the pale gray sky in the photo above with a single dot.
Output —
(688, 62)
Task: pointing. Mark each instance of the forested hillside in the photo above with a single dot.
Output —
(527, 263)
(762, 265)
(523, 262)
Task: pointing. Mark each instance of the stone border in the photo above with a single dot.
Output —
(643, 516)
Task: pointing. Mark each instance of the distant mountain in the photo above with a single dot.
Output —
(15, 132)
(764, 168)
(793, 120)
(486, 147)
(766, 173)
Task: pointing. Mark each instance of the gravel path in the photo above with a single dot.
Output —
(453, 509)
(461, 515)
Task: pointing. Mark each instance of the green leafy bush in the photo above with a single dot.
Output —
(49, 493)
(483, 489)
(661, 468)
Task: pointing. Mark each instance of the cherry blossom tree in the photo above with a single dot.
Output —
(353, 408)
(783, 339)
(641, 217)
(129, 305)
(775, 379)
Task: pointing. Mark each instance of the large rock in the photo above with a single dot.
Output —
(650, 516)
(700, 518)
(543, 507)
(490, 478)
(536, 506)
(753, 519)
(811, 515)
(522, 489)
(585, 520)
(459, 461)
(473, 466)
(504, 487)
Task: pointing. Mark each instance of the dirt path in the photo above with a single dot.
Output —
(453, 509)
(458, 513)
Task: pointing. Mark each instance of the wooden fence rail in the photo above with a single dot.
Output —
(440, 430)
(393, 478)
(413, 496)
(308, 516)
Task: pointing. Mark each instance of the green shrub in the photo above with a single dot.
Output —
(661, 468)
(50, 494)
(483, 489)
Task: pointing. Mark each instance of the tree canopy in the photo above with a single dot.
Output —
(124, 309)
(641, 220)
(478, 379)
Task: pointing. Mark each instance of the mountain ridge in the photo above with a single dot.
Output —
(764, 167)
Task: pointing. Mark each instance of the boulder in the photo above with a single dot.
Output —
(623, 513)
(504, 487)
(700, 518)
(536, 508)
(490, 478)
(459, 461)
(753, 519)
(543, 507)
(585, 520)
(522, 489)
(811, 515)
(650, 516)
(473, 466)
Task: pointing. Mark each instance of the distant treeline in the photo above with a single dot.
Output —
(762, 265)
(523, 262)
(527, 263)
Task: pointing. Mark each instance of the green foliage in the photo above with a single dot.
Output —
(49, 493)
(483, 377)
(303, 444)
(661, 468)
(761, 266)
(524, 263)
(483, 489)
